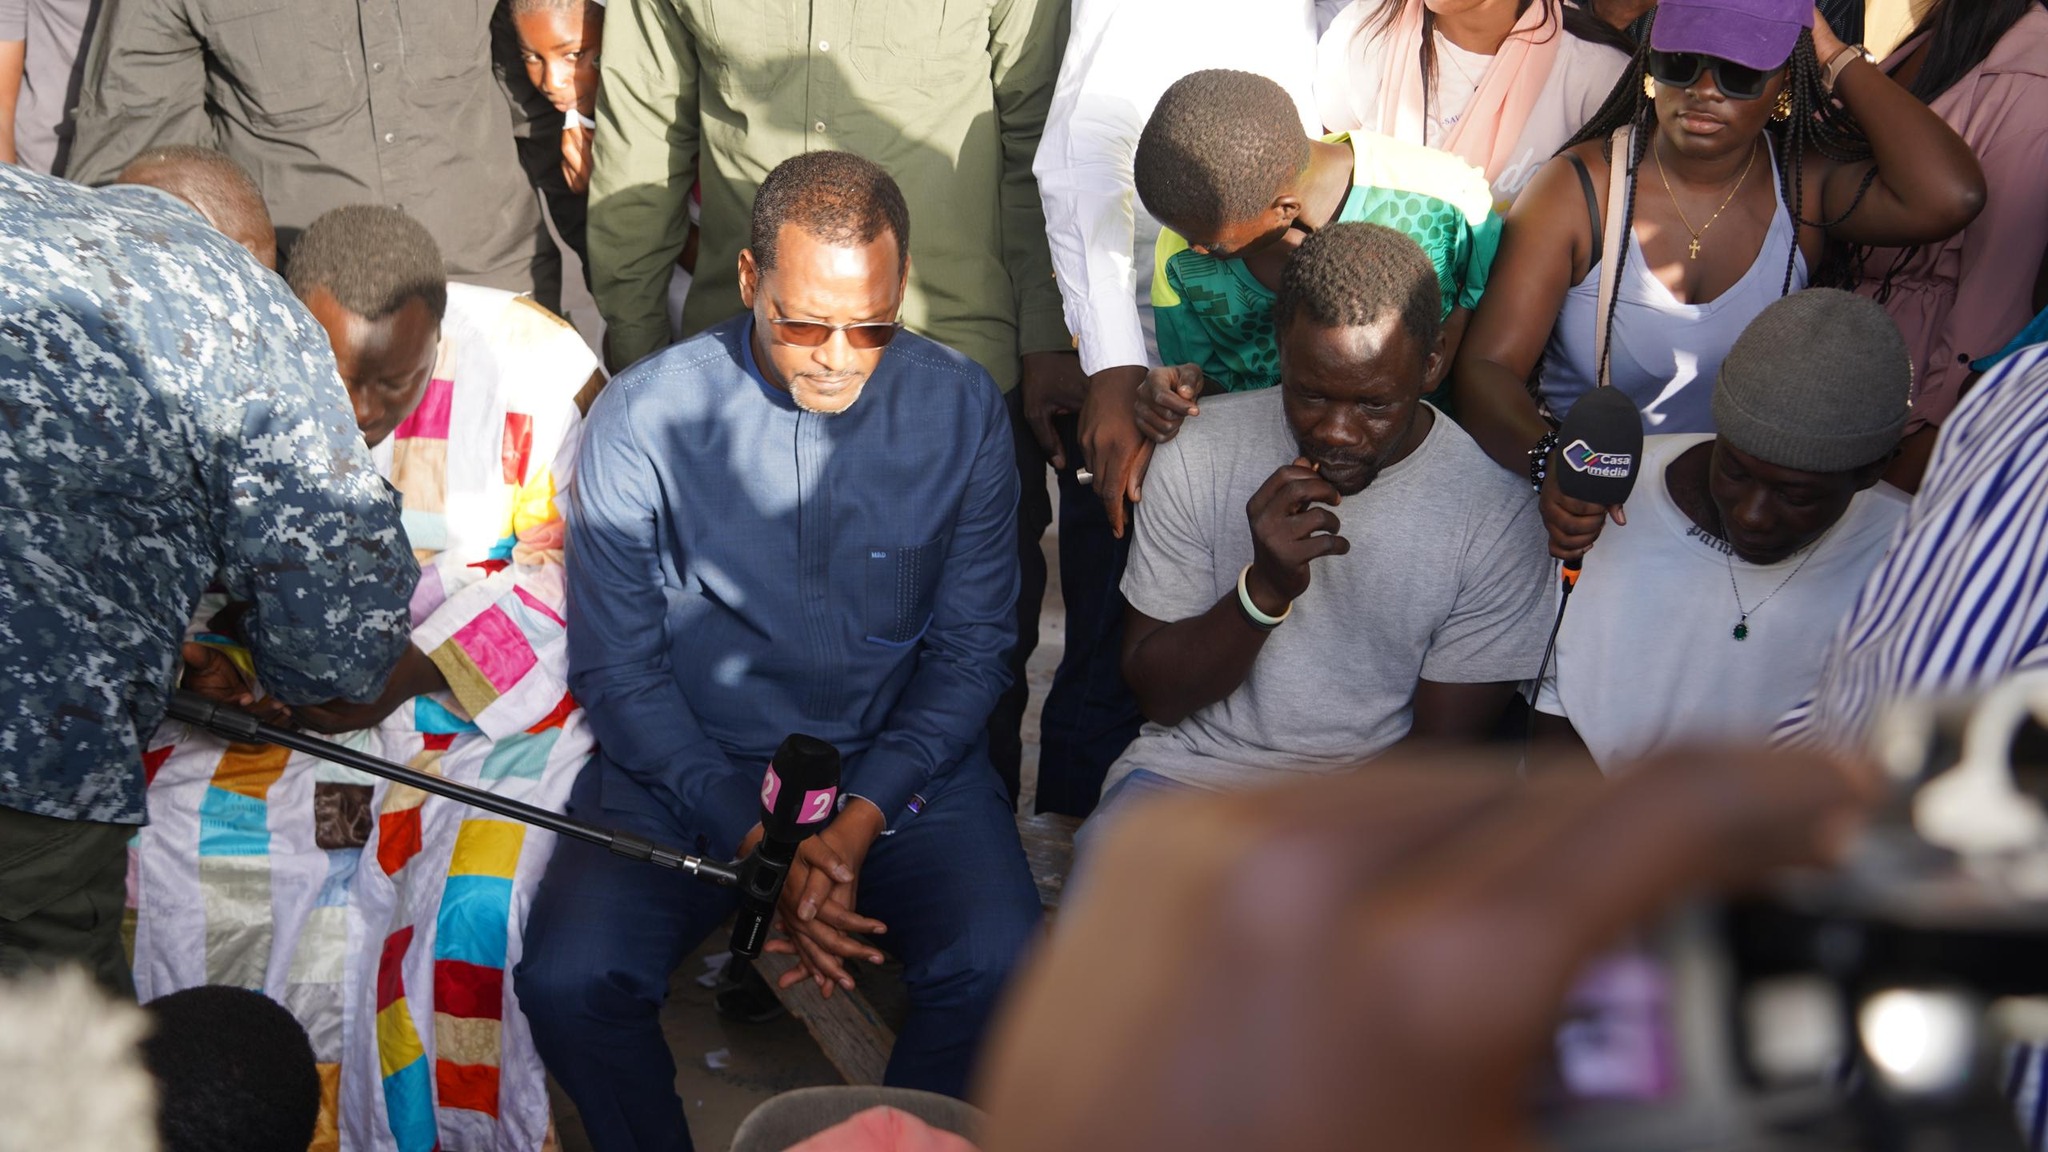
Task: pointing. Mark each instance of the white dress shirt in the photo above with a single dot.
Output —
(1121, 56)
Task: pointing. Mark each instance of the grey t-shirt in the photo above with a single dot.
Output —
(1448, 579)
(55, 31)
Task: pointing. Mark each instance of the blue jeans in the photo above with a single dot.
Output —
(1126, 794)
(1090, 715)
(605, 932)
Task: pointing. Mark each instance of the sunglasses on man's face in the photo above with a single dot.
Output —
(867, 335)
(1736, 81)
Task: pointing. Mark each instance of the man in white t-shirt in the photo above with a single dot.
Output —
(1707, 615)
(1392, 582)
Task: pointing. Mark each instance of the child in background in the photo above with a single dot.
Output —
(560, 41)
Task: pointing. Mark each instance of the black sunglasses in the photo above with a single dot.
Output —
(1736, 81)
(866, 335)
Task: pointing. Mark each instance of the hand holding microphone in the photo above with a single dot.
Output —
(1599, 448)
(806, 861)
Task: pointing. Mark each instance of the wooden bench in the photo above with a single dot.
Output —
(853, 1036)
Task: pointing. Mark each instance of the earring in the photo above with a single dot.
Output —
(1650, 87)
(1783, 111)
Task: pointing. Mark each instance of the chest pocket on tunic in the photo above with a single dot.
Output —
(293, 63)
(902, 582)
(920, 43)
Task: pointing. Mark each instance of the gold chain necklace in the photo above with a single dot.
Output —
(1693, 249)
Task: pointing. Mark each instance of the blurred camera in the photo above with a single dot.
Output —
(1899, 1002)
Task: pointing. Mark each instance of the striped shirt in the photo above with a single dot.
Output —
(1961, 601)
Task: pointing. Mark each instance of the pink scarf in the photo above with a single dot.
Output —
(1492, 125)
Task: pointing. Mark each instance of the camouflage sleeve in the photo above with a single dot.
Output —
(308, 532)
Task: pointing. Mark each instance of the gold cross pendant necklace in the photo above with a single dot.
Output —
(1692, 250)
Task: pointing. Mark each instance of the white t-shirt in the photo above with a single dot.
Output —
(1349, 70)
(1448, 579)
(1647, 656)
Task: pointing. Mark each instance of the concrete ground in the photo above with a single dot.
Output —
(725, 1068)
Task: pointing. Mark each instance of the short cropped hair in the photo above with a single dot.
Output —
(1350, 275)
(837, 197)
(234, 1070)
(210, 181)
(372, 259)
(530, 7)
(1219, 146)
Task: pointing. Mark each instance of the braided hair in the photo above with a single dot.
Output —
(1817, 124)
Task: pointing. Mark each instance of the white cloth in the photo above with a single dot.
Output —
(1347, 86)
(388, 922)
(1447, 580)
(1122, 55)
(1647, 657)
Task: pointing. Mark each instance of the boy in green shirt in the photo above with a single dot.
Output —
(1223, 165)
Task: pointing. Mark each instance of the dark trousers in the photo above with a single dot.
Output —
(951, 884)
(63, 889)
(1090, 715)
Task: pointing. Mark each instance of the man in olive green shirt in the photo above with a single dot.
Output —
(948, 96)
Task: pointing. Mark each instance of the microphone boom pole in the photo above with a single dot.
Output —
(236, 725)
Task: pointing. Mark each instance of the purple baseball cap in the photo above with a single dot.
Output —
(1759, 33)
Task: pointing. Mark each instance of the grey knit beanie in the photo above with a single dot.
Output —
(1820, 381)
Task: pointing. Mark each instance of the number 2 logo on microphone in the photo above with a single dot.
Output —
(817, 806)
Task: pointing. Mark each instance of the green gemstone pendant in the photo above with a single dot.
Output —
(1742, 630)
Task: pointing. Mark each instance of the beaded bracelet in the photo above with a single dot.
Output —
(1539, 460)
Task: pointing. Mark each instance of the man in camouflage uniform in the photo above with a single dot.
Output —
(169, 417)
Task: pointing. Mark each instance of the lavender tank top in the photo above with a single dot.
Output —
(1666, 355)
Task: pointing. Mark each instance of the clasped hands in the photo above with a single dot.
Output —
(816, 909)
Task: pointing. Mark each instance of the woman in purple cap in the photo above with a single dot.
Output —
(1723, 96)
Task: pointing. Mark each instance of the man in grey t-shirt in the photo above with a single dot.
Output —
(1406, 570)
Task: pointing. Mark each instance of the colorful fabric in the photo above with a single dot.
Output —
(1216, 314)
(386, 920)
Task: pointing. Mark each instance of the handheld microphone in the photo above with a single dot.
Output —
(1601, 445)
(799, 794)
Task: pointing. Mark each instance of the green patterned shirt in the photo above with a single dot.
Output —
(1214, 313)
